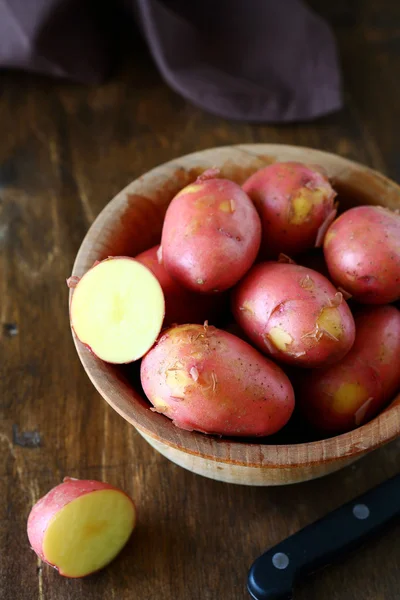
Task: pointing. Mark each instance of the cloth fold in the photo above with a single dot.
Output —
(259, 61)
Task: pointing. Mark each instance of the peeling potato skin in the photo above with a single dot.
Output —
(362, 252)
(208, 380)
(371, 368)
(293, 314)
(211, 235)
(293, 201)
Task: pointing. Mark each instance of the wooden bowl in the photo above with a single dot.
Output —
(132, 222)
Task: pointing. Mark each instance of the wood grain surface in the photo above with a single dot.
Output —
(65, 150)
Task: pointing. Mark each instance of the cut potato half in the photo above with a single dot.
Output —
(117, 309)
(81, 525)
(89, 532)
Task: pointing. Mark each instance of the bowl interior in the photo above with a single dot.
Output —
(132, 222)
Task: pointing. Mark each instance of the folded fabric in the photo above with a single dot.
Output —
(54, 37)
(258, 61)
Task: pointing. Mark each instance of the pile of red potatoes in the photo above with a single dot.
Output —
(331, 322)
(318, 330)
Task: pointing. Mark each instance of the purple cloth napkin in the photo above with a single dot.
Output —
(257, 61)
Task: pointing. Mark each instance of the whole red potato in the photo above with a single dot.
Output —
(294, 202)
(211, 235)
(351, 392)
(362, 252)
(294, 314)
(208, 380)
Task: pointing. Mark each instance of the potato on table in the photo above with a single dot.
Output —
(181, 304)
(211, 235)
(294, 202)
(208, 380)
(80, 526)
(362, 252)
(294, 314)
(354, 390)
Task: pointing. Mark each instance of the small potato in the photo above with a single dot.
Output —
(354, 390)
(294, 314)
(79, 526)
(211, 235)
(294, 202)
(181, 305)
(362, 252)
(208, 380)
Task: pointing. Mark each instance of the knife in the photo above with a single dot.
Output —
(273, 575)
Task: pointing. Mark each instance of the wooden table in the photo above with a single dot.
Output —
(65, 150)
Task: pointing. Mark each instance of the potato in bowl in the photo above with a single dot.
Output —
(130, 224)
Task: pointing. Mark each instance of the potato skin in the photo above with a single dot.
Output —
(294, 314)
(351, 392)
(362, 252)
(211, 235)
(293, 201)
(45, 508)
(181, 305)
(208, 380)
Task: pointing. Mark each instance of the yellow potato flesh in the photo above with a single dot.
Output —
(88, 533)
(227, 206)
(349, 397)
(117, 309)
(280, 338)
(303, 203)
(330, 321)
(190, 189)
(302, 206)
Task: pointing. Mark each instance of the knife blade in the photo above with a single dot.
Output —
(273, 575)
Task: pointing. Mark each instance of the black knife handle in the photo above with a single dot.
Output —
(273, 574)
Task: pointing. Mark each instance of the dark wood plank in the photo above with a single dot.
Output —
(65, 150)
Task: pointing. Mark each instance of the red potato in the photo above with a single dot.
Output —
(208, 380)
(294, 202)
(362, 252)
(117, 309)
(354, 390)
(211, 235)
(294, 314)
(79, 526)
(181, 305)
